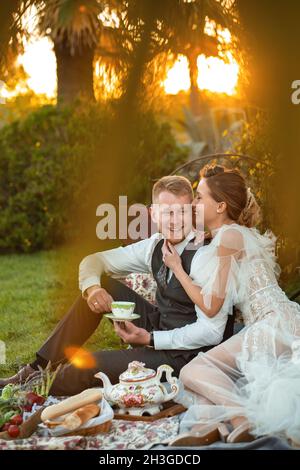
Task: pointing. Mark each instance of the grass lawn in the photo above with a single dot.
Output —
(36, 290)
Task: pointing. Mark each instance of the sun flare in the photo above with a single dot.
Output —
(80, 358)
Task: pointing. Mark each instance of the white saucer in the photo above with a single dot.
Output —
(134, 316)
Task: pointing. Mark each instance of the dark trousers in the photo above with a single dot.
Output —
(77, 326)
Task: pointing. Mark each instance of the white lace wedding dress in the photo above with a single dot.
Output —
(256, 373)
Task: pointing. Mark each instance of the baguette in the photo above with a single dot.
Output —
(91, 395)
(80, 416)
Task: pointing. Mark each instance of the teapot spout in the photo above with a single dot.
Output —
(107, 386)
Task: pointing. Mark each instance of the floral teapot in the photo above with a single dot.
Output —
(140, 389)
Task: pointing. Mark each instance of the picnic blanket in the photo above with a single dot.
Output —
(122, 435)
(128, 435)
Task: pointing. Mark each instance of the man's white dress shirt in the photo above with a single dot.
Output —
(136, 258)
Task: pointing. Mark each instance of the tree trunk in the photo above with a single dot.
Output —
(74, 72)
(194, 93)
(198, 103)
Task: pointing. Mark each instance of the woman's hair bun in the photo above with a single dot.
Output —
(211, 170)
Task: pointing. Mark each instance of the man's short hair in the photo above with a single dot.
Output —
(178, 185)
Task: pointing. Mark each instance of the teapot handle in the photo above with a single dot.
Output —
(171, 380)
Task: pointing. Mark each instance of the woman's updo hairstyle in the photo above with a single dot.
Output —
(229, 185)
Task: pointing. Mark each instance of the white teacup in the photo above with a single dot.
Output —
(122, 309)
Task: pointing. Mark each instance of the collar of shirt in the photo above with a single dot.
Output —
(179, 247)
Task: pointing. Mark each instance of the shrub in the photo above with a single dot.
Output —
(44, 169)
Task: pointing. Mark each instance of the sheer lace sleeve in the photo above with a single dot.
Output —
(219, 276)
(239, 262)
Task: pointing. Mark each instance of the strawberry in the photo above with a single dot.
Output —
(17, 419)
(32, 398)
(13, 430)
(27, 408)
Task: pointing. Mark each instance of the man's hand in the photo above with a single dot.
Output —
(99, 299)
(132, 334)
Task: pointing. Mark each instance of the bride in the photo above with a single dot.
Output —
(248, 386)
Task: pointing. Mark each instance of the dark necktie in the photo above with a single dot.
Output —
(162, 275)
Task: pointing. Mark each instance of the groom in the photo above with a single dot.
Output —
(151, 335)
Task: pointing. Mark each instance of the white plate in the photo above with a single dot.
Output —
(134, 316)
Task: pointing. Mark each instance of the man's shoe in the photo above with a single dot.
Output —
(19, 378)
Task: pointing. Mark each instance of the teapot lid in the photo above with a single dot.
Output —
(137, 371)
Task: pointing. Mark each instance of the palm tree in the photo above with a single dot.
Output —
(184, 27)
(181, 28)
(80, 35)
(75, 29)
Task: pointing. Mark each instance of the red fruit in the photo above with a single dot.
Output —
(27, 407)
(40, 400)
(17, 419)
(32, 398)
(13, 430)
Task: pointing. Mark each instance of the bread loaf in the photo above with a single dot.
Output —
(91, 395)
(80, 416)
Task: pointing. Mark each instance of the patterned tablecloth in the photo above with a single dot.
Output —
(122, 435)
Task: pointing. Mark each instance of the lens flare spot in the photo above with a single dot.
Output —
(80, 358)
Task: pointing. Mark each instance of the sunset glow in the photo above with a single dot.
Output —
(178, 78)
(40, 64)
(214, 74)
